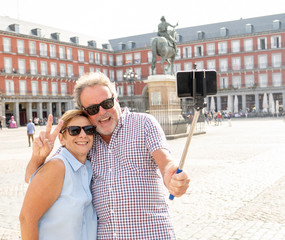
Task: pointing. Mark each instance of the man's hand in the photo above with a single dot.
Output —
(177, 184)
(42, 147)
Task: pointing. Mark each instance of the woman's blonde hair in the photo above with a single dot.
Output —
(71, 114)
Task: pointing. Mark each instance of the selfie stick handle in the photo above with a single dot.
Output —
(184, 154)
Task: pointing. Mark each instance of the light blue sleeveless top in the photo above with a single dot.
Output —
(72, 215)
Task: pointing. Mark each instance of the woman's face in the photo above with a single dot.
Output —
(80, 144)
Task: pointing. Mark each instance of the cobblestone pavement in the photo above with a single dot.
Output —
(237, 182)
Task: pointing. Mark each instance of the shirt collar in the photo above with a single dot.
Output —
(74, 163)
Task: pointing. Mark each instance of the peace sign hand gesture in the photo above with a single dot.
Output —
(42, 147)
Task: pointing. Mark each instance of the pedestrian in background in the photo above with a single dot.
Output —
(30, 131)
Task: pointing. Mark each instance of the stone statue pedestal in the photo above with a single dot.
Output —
(164, 104)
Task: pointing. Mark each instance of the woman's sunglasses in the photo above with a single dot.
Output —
(76, 130)
(94, 109)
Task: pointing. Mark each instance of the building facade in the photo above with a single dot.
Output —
(39, 65)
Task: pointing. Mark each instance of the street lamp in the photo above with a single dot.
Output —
(131, 77)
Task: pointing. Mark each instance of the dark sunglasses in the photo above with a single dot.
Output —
(94, 109)
(76, 130)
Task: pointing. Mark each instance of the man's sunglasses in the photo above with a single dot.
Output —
(76, 130)
(94, 109)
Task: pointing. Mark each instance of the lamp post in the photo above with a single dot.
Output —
(131, 76)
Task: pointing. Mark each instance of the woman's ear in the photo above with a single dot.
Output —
(61, 139)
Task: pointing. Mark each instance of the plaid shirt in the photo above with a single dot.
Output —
(127, 188)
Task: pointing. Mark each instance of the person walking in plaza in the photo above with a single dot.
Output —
(58, 202)
(30, 131)
(127, 152)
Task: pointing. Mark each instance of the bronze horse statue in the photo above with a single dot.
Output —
(161, 47)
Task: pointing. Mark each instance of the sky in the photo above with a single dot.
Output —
(108, 19)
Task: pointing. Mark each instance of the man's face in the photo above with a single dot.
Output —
(105, 120)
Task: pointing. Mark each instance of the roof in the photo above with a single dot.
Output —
(209, 31)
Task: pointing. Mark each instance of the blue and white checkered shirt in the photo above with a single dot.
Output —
(127, 187)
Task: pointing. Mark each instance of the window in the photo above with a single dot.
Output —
(236, 63)
(69, 53)
(119, 60)
(248, 46)
(262, 43)
(137, 58)
(224, 82)
(262, 61)
(112, 75)
(178, 55)
(237, 81)
(120, 91)
(23, 87)
(9, 84)
(222, 47)
(276, 42)
(262, 79)
(53, 70)
(276, 60)
(248, 62)
(177, 67)
(70, 70)
(8, 65)
(210, 49)
(52, 51)
(129, 59)
(150, 70)
(104, 59)
(97, 58)
(119, 74)
(187, 52)
(130, 90)
(81, 70)
(20, 46)
(235, 46)
(199, 51)
(277, 79)
(62, 70)
(223, 64)
(33, 67)
(63, 89)
(98, 70)
(200, 65)
(105, 71)
(7, 44)
(43, 50)
(91, 57)
(138, 71)
(44, 88)
(211, 64)
(22, 66)
(92, 69)
(34, 88)
(149, 56)
(32, 48)
(61, 53)
(188, 66)
(54, 89)
(44, 68)
(111, 60)
(249, 80)
(80, 56)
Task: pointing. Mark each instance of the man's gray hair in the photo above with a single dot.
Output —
(90, 80)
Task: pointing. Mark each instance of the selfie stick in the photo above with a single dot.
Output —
(198, 105)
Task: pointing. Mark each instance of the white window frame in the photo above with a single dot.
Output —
(211, 64)
(276, 60)
(262, 61)
(263, 80)
(62, 69)
(54, 88)
(137, 58)
(119, 60)
(33, 67)
(52, 51)
(236, 82)
(20, 46)
(223, 63)
(69, 70)
(97, 58)
(6, 44)
(111, 60)
(262, 43)
(236, 63)
(276, 41)
(104, 59)
(43, 49)
(187, 52)
(53, 69)
(211, 49)
(120, 91)
(9, 85)
(188, 66)
(44, 88)
(32, 48)
(149, 56)
(23, 87)
(61, 52)
(249, 80)
(21, 66)
(222, 47)
(119, 75)
(224, 82)
(63, 89)
(199, 51)
(235, 46)
(248, 62)
(277, 79)
(248, 45)
(34, 85)
(8, 64)
(43, 68)
(80, 55)
(69, 54)
(81, 70)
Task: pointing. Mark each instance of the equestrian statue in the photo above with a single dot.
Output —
(164, 46)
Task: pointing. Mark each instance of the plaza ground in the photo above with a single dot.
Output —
(237, 182)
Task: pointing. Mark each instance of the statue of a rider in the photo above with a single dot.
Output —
(162, 32)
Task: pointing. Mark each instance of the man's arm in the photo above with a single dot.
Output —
(43, 145)
(177, 184)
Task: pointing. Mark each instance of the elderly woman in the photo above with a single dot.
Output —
(58, 202)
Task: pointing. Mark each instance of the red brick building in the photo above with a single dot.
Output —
(40, 65)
